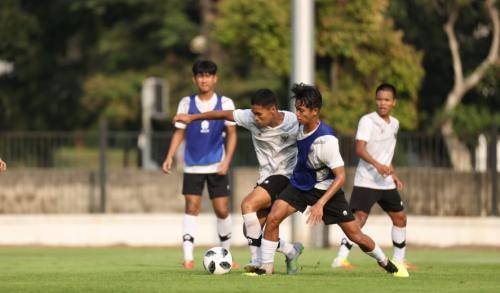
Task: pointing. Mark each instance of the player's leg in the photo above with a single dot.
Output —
(189, 227)
(391, 203)
(279, 211)
(192, 187)
(361, 202)
(253, 209)
(218, 190)
(353, 231)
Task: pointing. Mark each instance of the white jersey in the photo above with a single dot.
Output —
(276, 147)
(324, 152)
(381, 142)
(204, 106)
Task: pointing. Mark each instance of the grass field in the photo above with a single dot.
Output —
(159, 270)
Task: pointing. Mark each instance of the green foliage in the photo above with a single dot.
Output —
(353, 35)
(469, 121)
(117, 97)
(422, 22)
(356, 37)
(256, 32)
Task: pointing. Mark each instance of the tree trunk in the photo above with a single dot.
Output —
(459, 153)
(460, 156)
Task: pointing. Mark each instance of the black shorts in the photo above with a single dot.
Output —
(274, 185)
(218, 185)
(363, 198)
(336, 210)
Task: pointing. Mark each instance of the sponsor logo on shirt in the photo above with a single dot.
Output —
(205, 126)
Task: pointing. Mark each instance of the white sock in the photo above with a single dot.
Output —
(377, 254)
(188, 233)
(268, 249)
(399, 239)
(224, 231)
(286, 248)
(345, 248)
(254, 233)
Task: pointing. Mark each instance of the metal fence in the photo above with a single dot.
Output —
(80, 150)
(62, 172)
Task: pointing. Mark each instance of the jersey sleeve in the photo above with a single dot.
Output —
(243, 118)
(183, 108)
(228, 104)
(329, 152)
(364, 129)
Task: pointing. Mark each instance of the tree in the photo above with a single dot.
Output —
(463, 83)
(357, 48)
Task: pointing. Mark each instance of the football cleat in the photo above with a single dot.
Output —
(292, 264)
(265, 269)
(188, 264)
(251, 267)
(342, 263)
(402, 271)
(235, 265)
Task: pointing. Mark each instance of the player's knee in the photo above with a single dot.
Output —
(272, 222)
(247, 206)
(222, 214)
(192, 208)
(399, 220)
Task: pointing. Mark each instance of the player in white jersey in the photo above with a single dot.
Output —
(316, 181)
(375, 180)
(274, 135)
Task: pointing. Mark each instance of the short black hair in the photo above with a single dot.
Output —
(388, 88)
(204, 66)
(307, 95)
(265, 98)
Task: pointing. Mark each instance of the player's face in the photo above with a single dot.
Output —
(263, 115)
(304, 114)
(385, 102)
(205, 82)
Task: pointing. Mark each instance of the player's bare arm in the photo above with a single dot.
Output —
(316, 211)
(211, 115)
(177, 138)
(363, 154)
(231, 139)
(3, 166)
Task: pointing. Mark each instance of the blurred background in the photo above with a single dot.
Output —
(88, 88)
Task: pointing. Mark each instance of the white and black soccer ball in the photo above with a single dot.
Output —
(217, 261)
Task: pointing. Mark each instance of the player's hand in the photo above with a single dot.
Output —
(398, 182)
(182, 118)
(384, 170)
(223, 168)
(3, 166)
(167, 165)
(315, 214)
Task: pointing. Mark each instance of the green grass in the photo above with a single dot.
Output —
(159, 270)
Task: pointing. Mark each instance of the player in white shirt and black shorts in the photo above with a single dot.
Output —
(316, 181)
(375, 180)
(274, 136)
(206, 159)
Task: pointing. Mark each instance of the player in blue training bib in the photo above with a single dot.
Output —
(204, 138)
(205, 158)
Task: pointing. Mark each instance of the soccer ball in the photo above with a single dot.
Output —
(217, 261)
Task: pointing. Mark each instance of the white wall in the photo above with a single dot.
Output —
(166, 230)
